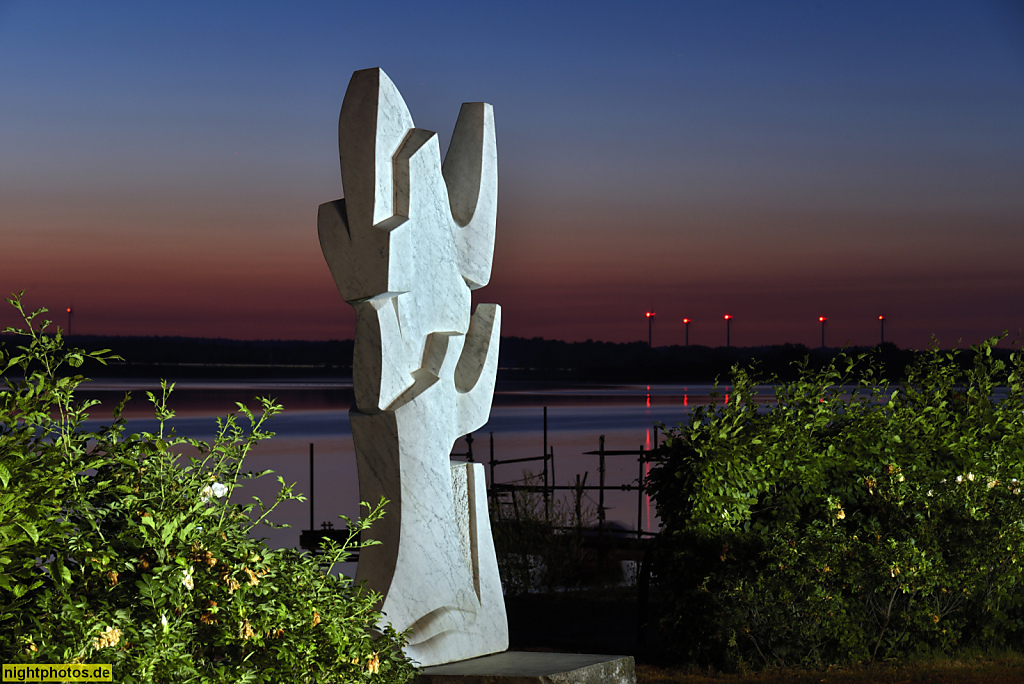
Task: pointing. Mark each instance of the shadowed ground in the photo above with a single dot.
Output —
(605, 620)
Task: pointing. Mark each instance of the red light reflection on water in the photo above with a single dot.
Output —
(647, 497)
(648, 406)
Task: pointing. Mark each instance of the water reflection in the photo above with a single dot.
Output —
(317, 413)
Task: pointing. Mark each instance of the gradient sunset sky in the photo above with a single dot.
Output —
(161, 164)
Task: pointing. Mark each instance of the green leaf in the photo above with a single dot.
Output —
(167, 532)
(30, 530)
(60, 574)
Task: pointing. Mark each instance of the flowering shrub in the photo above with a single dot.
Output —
(123, 548)
(852, 519)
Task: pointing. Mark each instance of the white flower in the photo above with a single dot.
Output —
(216, 489)
(187, 579)
(959, 479)
(163, 621)
(970, 476)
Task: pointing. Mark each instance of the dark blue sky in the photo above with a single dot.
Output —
(161, 163)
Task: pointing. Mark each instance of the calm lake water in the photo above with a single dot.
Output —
(317, 413)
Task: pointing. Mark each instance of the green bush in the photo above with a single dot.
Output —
(849, 519)
(123, 549)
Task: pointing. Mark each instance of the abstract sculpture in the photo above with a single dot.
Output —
(410, 240)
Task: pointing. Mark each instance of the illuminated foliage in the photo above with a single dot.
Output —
(851, 519)
(127, 549)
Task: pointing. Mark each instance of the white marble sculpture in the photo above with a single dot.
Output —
(406, 246)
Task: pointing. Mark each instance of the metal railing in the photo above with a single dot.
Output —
(547, 488)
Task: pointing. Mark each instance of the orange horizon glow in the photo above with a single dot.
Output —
(788, 162)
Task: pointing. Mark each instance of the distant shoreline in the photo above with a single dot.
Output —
(521, 359)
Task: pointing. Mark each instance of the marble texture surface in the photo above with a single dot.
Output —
(410, 240)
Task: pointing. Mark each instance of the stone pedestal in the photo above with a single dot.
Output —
(521, 667)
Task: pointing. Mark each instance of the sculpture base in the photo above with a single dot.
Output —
(522, 667)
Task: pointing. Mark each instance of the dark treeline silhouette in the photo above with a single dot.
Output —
(636, 362)
(521, 359)
(197, 357)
